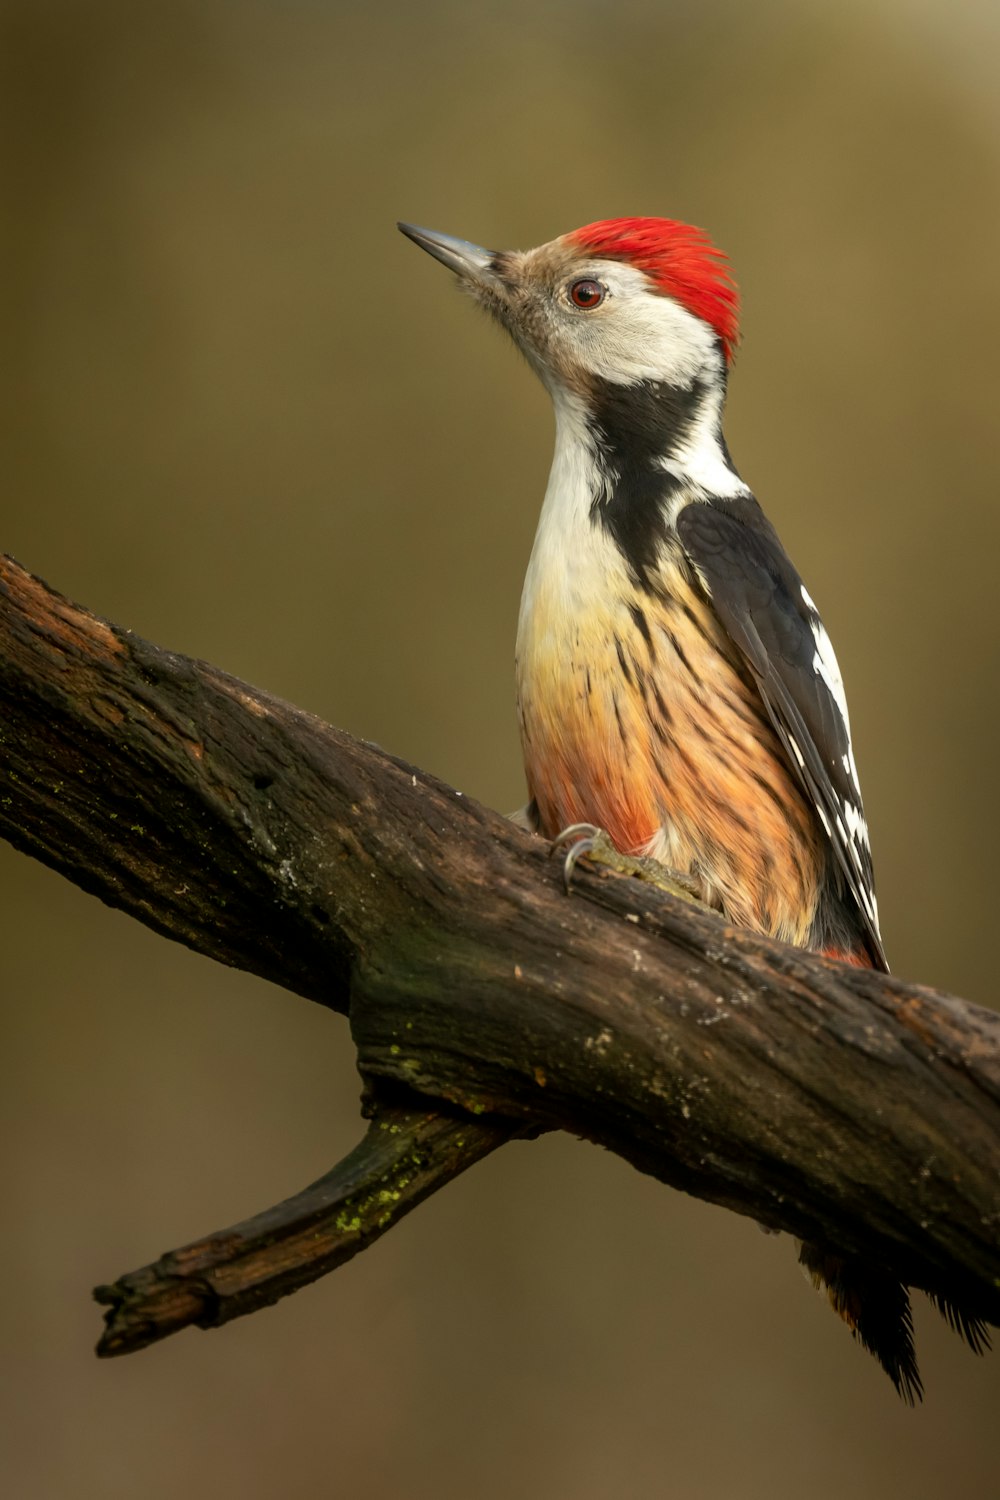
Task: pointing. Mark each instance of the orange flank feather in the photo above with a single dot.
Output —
(856, 956)
(642, 722)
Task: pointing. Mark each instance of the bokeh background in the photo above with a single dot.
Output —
(245, 418)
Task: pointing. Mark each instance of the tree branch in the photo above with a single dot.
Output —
(842, 1105)
(405, 1156)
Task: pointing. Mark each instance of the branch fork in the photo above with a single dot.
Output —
(483, 1003)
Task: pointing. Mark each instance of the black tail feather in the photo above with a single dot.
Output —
(876, 1308)
(972, 1329)
(875, 1305)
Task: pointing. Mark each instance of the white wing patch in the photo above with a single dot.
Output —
(851, 819)
(798, 755)
(772, 618)
(825, 662)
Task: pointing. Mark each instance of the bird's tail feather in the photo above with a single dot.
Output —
(972, 1329)
(875, 1305)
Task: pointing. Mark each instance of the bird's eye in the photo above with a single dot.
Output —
(587, 294)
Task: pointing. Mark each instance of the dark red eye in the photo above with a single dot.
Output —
(587, 294)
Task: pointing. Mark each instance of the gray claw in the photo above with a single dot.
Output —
(576, 831)
(574, 855)
(583, 839)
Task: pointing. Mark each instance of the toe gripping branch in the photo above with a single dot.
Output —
(587, 841)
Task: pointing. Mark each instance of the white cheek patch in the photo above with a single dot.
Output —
(638, 333)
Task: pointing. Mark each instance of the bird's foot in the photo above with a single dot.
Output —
(586, 841)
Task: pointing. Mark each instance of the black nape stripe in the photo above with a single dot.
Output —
(634, 428)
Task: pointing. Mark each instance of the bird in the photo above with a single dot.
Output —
(676, 686)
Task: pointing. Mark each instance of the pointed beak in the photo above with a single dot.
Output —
(471, 262)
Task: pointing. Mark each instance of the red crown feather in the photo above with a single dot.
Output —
(680, 259)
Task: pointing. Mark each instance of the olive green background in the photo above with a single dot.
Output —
(242, 416)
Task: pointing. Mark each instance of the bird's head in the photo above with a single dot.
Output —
(621, 301)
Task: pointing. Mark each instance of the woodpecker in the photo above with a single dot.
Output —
(676, 686)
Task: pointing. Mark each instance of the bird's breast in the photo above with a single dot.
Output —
(637, 715)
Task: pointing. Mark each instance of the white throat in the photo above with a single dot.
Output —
(574, 563)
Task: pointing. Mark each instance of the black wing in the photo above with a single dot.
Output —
(763, 604)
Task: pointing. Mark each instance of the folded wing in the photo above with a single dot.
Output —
(763, 604)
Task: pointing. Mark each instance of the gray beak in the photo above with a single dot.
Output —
(471, 262)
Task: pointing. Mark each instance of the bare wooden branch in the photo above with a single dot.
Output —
(405, 1156)
(842, 1105)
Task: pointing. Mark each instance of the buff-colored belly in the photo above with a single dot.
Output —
(652, 732)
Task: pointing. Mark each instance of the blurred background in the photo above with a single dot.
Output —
(243, 417)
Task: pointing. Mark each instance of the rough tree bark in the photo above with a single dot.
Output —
(842, 1105)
